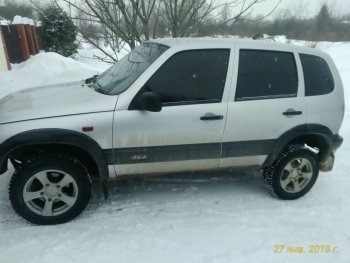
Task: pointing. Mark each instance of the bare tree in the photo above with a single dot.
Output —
(93, 30)
(244, 9)
(144, 10)
(124, 20)
(134, 21)
(183, 15)
(225, 13)
(128, 19)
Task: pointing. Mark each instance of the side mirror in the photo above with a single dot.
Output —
(150, 101)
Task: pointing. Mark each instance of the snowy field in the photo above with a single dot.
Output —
(205, 217)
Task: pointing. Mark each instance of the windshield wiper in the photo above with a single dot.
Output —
(94, 80)
(99, 88)
(89, 80)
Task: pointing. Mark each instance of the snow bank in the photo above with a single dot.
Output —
(18, 20)
(49, 61)
(44, 68)
(4, 22)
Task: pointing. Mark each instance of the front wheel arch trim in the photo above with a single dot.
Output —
(54, 136)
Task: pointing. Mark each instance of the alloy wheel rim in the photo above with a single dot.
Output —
(296, 175)
(50, 192)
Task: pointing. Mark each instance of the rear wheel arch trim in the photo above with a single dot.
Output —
(294, 133)
(54, 136)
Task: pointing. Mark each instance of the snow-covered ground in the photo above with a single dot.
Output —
(205, 217)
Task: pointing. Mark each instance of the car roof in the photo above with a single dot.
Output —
(214, 42)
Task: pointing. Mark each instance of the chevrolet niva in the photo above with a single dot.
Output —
(174, 105)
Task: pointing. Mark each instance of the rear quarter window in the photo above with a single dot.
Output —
(317, 75)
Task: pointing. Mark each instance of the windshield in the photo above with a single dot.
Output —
(121, 75)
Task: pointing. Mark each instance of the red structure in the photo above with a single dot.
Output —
(24, 41)
(21, 41)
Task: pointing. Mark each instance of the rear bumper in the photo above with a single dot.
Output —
(337, 141)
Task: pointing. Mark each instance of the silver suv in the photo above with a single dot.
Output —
(174, 105)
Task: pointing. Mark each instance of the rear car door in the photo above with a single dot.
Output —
(267, 100)
(186, 134)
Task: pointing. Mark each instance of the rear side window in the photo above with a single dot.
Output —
(317, 75)
(188, 77)
(266, 75)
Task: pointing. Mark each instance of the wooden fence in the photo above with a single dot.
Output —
(21, 41)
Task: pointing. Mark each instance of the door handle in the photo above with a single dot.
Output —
(292, 112)
(211, 117)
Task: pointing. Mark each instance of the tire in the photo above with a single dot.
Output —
(50, 189)
(293, 173)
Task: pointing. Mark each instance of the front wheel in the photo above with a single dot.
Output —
(293, 173)
(50, 190)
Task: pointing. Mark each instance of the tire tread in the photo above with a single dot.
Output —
(269, 172)
(13, 187)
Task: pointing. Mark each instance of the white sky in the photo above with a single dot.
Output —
(303, 8)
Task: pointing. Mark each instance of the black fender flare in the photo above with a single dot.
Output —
(304, 129)
(54, 136)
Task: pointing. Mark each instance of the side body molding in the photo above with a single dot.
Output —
(54, 136)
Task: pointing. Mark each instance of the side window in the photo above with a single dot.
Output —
(266, 75)
(317, 75)
(189, 77)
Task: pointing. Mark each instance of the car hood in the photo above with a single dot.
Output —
(53, 100)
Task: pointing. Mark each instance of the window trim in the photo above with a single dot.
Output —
(190, 102)
(266, 97)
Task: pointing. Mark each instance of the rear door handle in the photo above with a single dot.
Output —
(211, 117)
(292, 112)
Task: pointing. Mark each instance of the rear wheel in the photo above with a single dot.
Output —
(50, 189)
(293, 173)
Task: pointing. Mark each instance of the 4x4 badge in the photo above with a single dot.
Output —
(137, 157)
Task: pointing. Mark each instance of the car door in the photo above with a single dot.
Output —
(267, 100)
(186, 134)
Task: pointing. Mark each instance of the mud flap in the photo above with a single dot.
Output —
(327, 164)
(104, 189)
